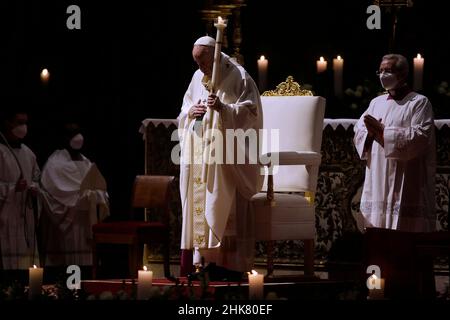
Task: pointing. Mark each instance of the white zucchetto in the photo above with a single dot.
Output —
(205, 41)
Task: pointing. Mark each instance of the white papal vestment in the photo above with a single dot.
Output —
(217, 220)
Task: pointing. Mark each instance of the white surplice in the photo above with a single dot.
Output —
(70, 212)
(228, 238)
(18, 245)
(399, 187)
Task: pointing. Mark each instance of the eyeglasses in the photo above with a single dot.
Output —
(378, 72)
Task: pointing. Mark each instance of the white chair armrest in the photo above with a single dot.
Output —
(294, 158)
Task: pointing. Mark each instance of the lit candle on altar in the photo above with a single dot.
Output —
(262, 73)
(321, 65)
(376, 289)
(45, 75)
(255, 285)
(338, 68)
(35, 281)
(145, 278)
(418, 72)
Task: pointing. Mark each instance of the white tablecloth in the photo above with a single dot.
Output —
(334, 123)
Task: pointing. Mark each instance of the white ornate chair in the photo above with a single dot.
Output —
(286, 210)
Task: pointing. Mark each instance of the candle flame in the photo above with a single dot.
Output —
(339, 57)
(419, 56)
(253, 272)
(219, 19)
(322, 59)
(262, 58)
(34, 266)
(373, 279)
(45, 75)
(145, 268)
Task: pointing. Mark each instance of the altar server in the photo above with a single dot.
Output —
(19, 178)
(395, 135)
(76, 198)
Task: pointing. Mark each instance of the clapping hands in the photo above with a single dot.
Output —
(375, 129)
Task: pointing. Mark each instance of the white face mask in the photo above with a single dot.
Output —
(20, 131)
(77, 142)
(388, 80)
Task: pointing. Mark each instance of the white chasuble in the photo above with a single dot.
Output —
(210, 210)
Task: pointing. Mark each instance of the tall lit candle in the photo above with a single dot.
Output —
(376, 290)
(45, 76)
(35, 281)
(220, 25)
(338, 69)
(418, 72)
(263, 64)
(145, 278)
(321, 65)
(255, 285)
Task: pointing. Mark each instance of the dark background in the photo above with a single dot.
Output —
(131, 60)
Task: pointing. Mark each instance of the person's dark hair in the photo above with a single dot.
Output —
(67, 131)
(70, 129)
(9, 108)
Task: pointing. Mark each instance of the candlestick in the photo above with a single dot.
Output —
(145, 278)
(418, 72)
(45, 75)
(321, 65)
(220, 24)
(262, 73)
(255, 285)
(35, 281)
(338, 68)
(376, 292)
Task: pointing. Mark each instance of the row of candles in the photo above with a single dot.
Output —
(144, 284)
(338, 70)
(145, 281)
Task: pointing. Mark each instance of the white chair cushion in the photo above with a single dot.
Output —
(299, 122)
(292, 217)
